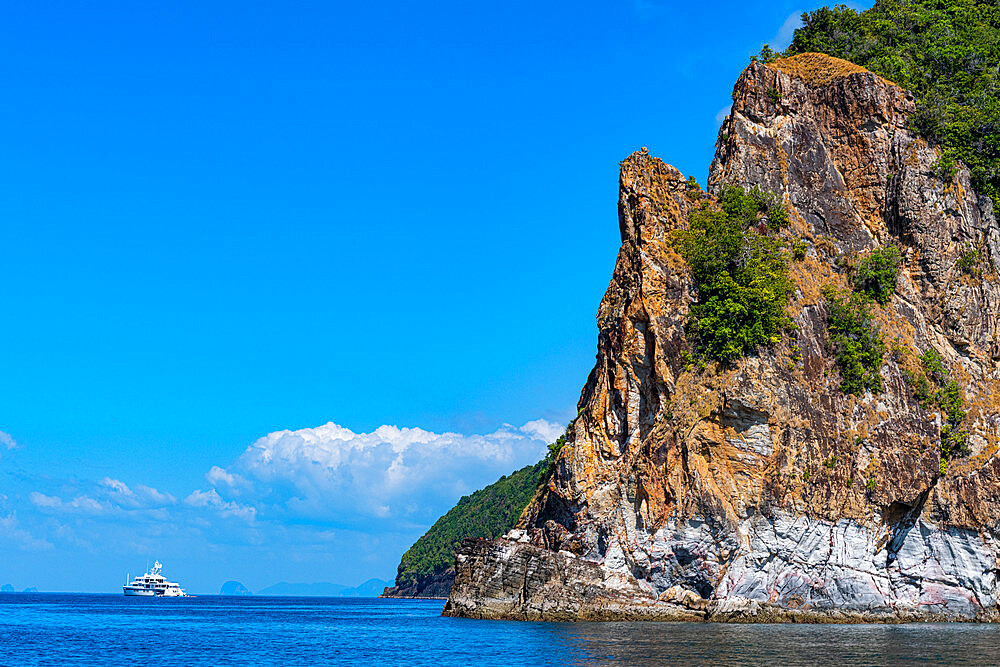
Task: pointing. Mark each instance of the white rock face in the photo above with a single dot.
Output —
(797, 561)
(801, 563)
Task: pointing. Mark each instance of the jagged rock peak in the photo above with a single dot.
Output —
(759, 490)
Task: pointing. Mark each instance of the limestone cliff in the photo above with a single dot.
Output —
(759, 490)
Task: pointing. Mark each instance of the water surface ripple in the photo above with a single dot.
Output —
(53, 629)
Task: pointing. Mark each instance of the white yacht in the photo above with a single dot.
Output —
(152, 584)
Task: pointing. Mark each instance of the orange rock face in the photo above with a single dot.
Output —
(760, 491)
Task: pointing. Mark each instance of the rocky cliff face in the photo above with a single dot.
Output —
(434, 586)
(760, 491)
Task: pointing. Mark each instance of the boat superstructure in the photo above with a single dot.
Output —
(153, 584)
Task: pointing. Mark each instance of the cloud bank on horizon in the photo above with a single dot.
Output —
(330, 473)
(310, 493)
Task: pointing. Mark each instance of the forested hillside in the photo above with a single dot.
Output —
(425, 568)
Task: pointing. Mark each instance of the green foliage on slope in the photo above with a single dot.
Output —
(933, 386)
(949, 398)
(489, 512)
(856, 340)
(946, 51)
(740, 272)
(875, 275)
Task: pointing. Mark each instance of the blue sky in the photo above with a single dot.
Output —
(222, 221)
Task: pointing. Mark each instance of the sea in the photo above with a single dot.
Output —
(78, 629)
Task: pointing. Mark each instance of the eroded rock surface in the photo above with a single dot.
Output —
(760, 491)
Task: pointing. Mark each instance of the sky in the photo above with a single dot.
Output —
(280, 282)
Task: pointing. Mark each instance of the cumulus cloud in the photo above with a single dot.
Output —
(116, 486)
(6, 441)
(219, 476)
(332, 473)
(212, 500)
(543, 430)
(314, 493)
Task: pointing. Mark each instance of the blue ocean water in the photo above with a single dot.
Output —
(53, 629)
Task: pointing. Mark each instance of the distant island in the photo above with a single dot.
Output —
(370, 588)
(234, 588)
(9, 588)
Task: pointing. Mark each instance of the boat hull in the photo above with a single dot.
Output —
(138, 593)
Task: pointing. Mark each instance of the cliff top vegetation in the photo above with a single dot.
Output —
(947, 52)
(816, 69)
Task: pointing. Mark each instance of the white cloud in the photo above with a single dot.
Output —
(7, 441)
(78, 505)
(315, 493)
(211, 499)
(142, 497)
(786, 32)
(544, 430)
(332, 473)
(116, 486)
(109, 496)
(10, 530)
(42, 500)
(154, 497)
(218, 476)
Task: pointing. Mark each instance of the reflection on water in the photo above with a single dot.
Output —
(115, 630)
(786, 644)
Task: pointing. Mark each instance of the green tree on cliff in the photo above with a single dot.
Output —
(740, 272)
